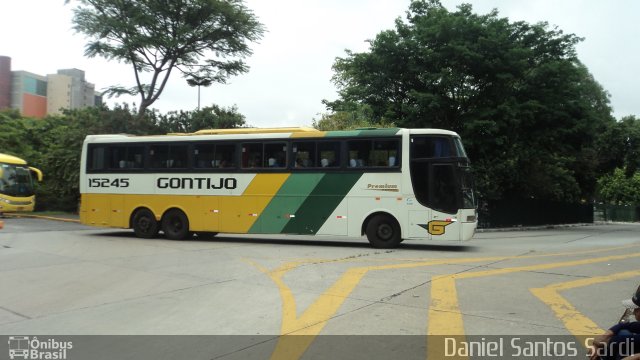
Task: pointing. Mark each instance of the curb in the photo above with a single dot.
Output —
(558, 226)
(33, 216)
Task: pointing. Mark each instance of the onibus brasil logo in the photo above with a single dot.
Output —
(25, 347)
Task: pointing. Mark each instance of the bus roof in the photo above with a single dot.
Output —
(254, 131)
(10, 159)
(268, 133)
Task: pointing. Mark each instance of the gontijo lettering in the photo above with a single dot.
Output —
(196, 183)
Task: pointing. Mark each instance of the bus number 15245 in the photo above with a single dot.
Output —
(107, 183)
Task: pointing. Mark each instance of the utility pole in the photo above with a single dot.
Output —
(198, 81)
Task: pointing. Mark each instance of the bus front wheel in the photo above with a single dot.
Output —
(175, 225)
(383, 232)
(144, 224)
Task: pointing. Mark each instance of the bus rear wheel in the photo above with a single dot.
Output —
(383, 232)
(175, 225)
(144, 224)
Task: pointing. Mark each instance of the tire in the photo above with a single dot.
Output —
(383, 232)
(144, 224)
(175, 225)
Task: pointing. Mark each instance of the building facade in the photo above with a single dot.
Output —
(68, 89)
(36, 95)
(29, 93)
(5, 82)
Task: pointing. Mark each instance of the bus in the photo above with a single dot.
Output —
(389, 184)
(17, 192)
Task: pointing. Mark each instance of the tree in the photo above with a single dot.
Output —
(210, 117)
(202, 39)
(351, 116)
(619, 146)
(528, 111)
(59, 148)
(618, 188)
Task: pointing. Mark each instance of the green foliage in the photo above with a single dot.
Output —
(620, 189)
(619, 146)
(54, 144)
(205, 40)
(212, 117)
(528, 111)
(351, 117)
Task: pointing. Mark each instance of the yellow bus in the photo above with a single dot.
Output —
(388, 184)
(17, 191)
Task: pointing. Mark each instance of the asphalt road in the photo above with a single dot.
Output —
(61, 278)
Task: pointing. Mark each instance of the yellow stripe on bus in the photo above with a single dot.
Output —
(235, 214)
(239, 213)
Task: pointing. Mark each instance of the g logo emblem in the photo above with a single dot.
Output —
(437, 227)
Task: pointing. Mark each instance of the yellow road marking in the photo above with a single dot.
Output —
(315, 317)
(577, 323)
(445, 317)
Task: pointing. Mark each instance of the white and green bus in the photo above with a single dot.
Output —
(17, 191)
(388, 184)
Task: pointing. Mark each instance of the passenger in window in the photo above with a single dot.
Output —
(255, 162)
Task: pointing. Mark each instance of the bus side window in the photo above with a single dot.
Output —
(159, 156)
(359, 151)
(178, 157)
(225, 155)
(275, 155)
(385, 153)
(304, 154)
(117, 157)
(135, 156)
(204, 155)
(252, 156)
(97, 159)
(328, 154)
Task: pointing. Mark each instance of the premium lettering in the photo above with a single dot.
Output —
(200, 183)
(383, 187)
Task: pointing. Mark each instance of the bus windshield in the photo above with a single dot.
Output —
(15, 180)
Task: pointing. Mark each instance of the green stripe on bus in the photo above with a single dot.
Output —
(379, 132)
(343, 133)
(322, 201)
(364, 132)
(285, 203)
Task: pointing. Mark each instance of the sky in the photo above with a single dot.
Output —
(290, 69)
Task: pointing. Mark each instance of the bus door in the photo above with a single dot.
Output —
(435, 186)
(443, 194)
